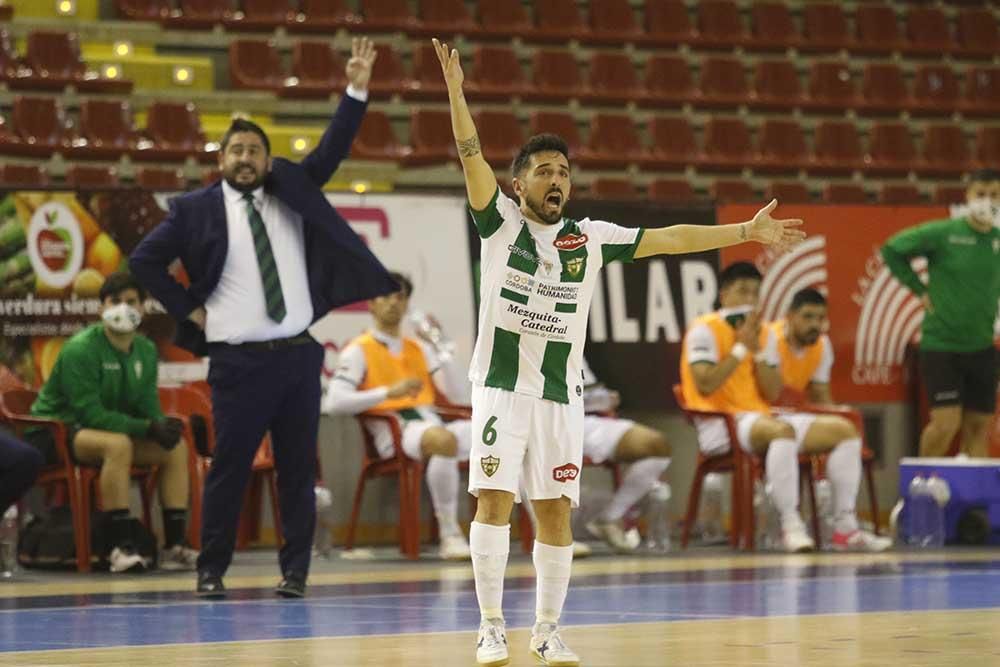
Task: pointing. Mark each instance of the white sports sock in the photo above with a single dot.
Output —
(442, 480)
(843, 469)
(490, 546)
(640, 478)
(552, 570)
(782, 469)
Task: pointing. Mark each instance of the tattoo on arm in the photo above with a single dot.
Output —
(743, 232)
(469, 147)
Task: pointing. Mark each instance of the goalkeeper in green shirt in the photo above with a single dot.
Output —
(103, 387)
(958, 360)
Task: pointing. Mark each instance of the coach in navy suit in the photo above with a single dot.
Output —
(267, 255)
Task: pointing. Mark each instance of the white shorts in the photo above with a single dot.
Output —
(601, 436)
(413, 432)
(521, 440)
(713, 438)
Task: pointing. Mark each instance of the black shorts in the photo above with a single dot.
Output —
(44, 441)
(968, 379)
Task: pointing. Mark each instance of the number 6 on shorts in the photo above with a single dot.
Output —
(490, 433)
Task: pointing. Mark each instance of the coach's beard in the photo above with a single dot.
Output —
(246, 186)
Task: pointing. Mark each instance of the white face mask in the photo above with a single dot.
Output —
(122, 318)
(985, 208)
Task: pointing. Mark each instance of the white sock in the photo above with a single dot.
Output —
(442, 480)
(552, 569)
(640, 478)
(782, 469)
(843, 469)
(490, 546)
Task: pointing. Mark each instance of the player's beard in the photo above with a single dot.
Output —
(539, 209)
(808, 338)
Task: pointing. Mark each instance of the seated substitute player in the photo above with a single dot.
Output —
(805, 353)
(539, 271)
(386, 372)
(726, 368)
(103, 387)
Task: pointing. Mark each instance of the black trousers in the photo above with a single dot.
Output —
(255, 391)
(19, 466)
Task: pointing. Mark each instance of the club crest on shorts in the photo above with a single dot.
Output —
(490, 465)
(565, 473)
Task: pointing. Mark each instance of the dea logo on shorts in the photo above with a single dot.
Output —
(490, 465)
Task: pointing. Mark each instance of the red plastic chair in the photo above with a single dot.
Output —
(671, 191)
(899, 194)
(618, 189)
(946, 195)
(612, 22)
(54, 58)
(837, 148)
(108, 128)
(982, 91)
(788, 193)
(673, 144)
(496, 74)
(173, 132)
(824, 27)
(782, 146)
(387, 16)
(23, 176)
(668, 24)
(976, 33)
(935, 91)
(844, 193)
(669, 82)
(831, 88)
(891, 150)
(877, 29)
(946, 151)
(90, 177)
(324, 16)
(720, 25)
(199, 14)
(255, 65)
(726, 191)
(41, 122)
(884, 90)
(444, 18)
(163, 180)
(776, 86)
(501, 136)
(503, 19)
(431, 138)
(557, 21)
(317, 71)
(723, 82)
(555, 76)
(727, 145)
(612, 79)
(928, 32)
(772, 27)
(261, 15)
(377, 141)
(426, 82)
(614, 141)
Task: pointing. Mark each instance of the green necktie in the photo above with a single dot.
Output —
(265, 260)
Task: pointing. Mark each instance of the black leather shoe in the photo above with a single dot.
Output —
(293, 585)
(210, 586)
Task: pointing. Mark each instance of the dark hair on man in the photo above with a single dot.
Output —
(118, 282)
(537, 144)
(808, 296)
(404, 282)
(738, 271)
(984, 175)
(244, 125)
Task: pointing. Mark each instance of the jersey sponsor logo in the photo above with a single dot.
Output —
(519, 282)
(490, 465)
(112, 366)
(559, 292)
(523, 254)
(570, 241)
(961, 240)
(565, 473)
(539, 323)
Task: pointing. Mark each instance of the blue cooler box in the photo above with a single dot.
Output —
(975, 485)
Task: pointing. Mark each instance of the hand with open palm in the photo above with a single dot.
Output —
(359, 67)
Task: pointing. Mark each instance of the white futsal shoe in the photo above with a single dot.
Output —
(491, 647)
(860, 540)
(454, 547)
(549, 648)
(796, 539)
(581, 550)
(125, 559)
(612, 533)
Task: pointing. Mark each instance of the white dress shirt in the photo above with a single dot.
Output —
(236, 311)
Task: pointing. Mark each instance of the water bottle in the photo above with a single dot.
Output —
(917, 501)
(710, 512)
(938, 491)
(658, 518)
(323, 536)
(8, 542)
(824, 508)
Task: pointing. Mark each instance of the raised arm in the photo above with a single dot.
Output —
(696, 238)
(480, 182)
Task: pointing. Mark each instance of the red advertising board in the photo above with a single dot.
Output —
(872, 316)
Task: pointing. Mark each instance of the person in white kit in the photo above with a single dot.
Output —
(384, 371)
(539, 271)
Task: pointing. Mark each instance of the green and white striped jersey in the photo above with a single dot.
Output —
(536, 285)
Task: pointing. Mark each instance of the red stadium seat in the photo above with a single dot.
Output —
(723, 82)
(928, 31)
(501, 136)
(503, 19)
(844, 193)
(562, 124)
(261, 15)
(108, 128)
(720, 25)
(831, 87)
(41, 122)
(772, 27)
(431, 138)
(976, 33)
(387, 16)
(946, 151)
(884, 90)
(982, 91)
(426, 83)
(23, 176)
(671, 191)
(673, 143)
(54, 58)
(946, 195)
(614, 141)
(668, 23)
(10, 62)
(496, 74)
(669, 82)
(620, 189)
(613, 22)
(166, 180)
(877, 29)
(782, 146)
(11, 144)
(776, 86)
(317, 71)
(326, 16)
(988, 147)
(788, 192)
(255, 65)
(727, 145)
(556, 76)
(824, 27)
(935, 90)
(173, 132)
(557, 21)
(377, 141)
(389, 78)
(612, 79)
(900, 195)
(891, 150)
(199, 14)
(91, 177)
(726, 191)
(143, 10)
(837, 148)
(445, 18)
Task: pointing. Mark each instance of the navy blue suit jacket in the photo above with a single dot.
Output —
(341, 268)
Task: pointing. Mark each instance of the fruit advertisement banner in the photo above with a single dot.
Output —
(873, 318)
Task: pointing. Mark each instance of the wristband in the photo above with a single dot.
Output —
(760, 357)
(739, 351)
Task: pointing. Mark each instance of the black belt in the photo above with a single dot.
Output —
(274, 344)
